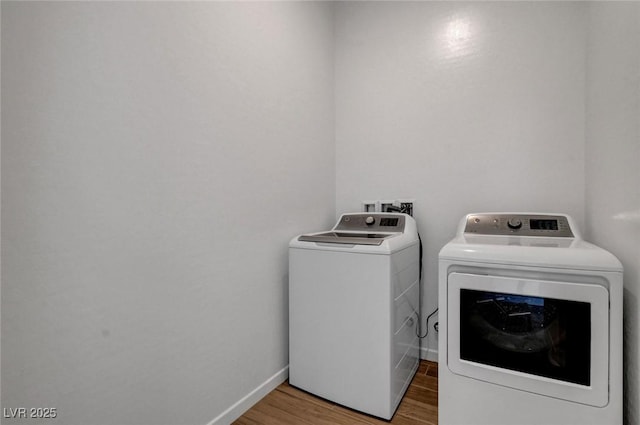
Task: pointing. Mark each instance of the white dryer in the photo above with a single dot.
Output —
(353, 302)
(530, 324)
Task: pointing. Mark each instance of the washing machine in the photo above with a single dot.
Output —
(353, 303)
(530, 324)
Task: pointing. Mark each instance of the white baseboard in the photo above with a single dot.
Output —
(245, 403)
(429, 354)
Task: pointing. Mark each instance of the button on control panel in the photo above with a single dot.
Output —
(519, 224)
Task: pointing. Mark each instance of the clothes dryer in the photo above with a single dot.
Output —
(353, 302)
(530, 324)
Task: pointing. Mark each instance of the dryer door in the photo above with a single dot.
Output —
(545, 337)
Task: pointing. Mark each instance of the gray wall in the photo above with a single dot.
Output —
(156, 160)
(613, 163)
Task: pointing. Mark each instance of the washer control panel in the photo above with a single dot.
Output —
(379, 222)
(519, 224)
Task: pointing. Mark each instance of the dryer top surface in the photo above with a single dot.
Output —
(562, 249)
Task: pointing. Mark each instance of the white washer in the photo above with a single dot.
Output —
(353, 302)
(530, 324)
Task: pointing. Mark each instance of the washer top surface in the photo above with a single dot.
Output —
(532, 239)
(380, 233)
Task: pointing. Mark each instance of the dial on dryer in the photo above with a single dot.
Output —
(514, 223)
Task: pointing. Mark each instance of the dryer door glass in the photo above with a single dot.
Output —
(541, 336)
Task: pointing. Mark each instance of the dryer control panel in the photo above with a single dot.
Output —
(519, 224)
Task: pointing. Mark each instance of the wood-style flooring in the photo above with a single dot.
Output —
(289, 405)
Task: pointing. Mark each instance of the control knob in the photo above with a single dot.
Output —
(370, 220)
(514, 223)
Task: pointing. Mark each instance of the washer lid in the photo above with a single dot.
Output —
(363, 233)
(351, 238)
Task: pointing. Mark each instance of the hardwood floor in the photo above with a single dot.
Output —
(289, 405)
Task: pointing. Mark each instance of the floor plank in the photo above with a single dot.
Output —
(289, 405)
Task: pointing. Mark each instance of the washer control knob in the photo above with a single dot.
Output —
(370, 220)
(514, 223)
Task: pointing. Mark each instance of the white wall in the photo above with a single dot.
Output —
(156, 160)
(464, 107)
(613, 158)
